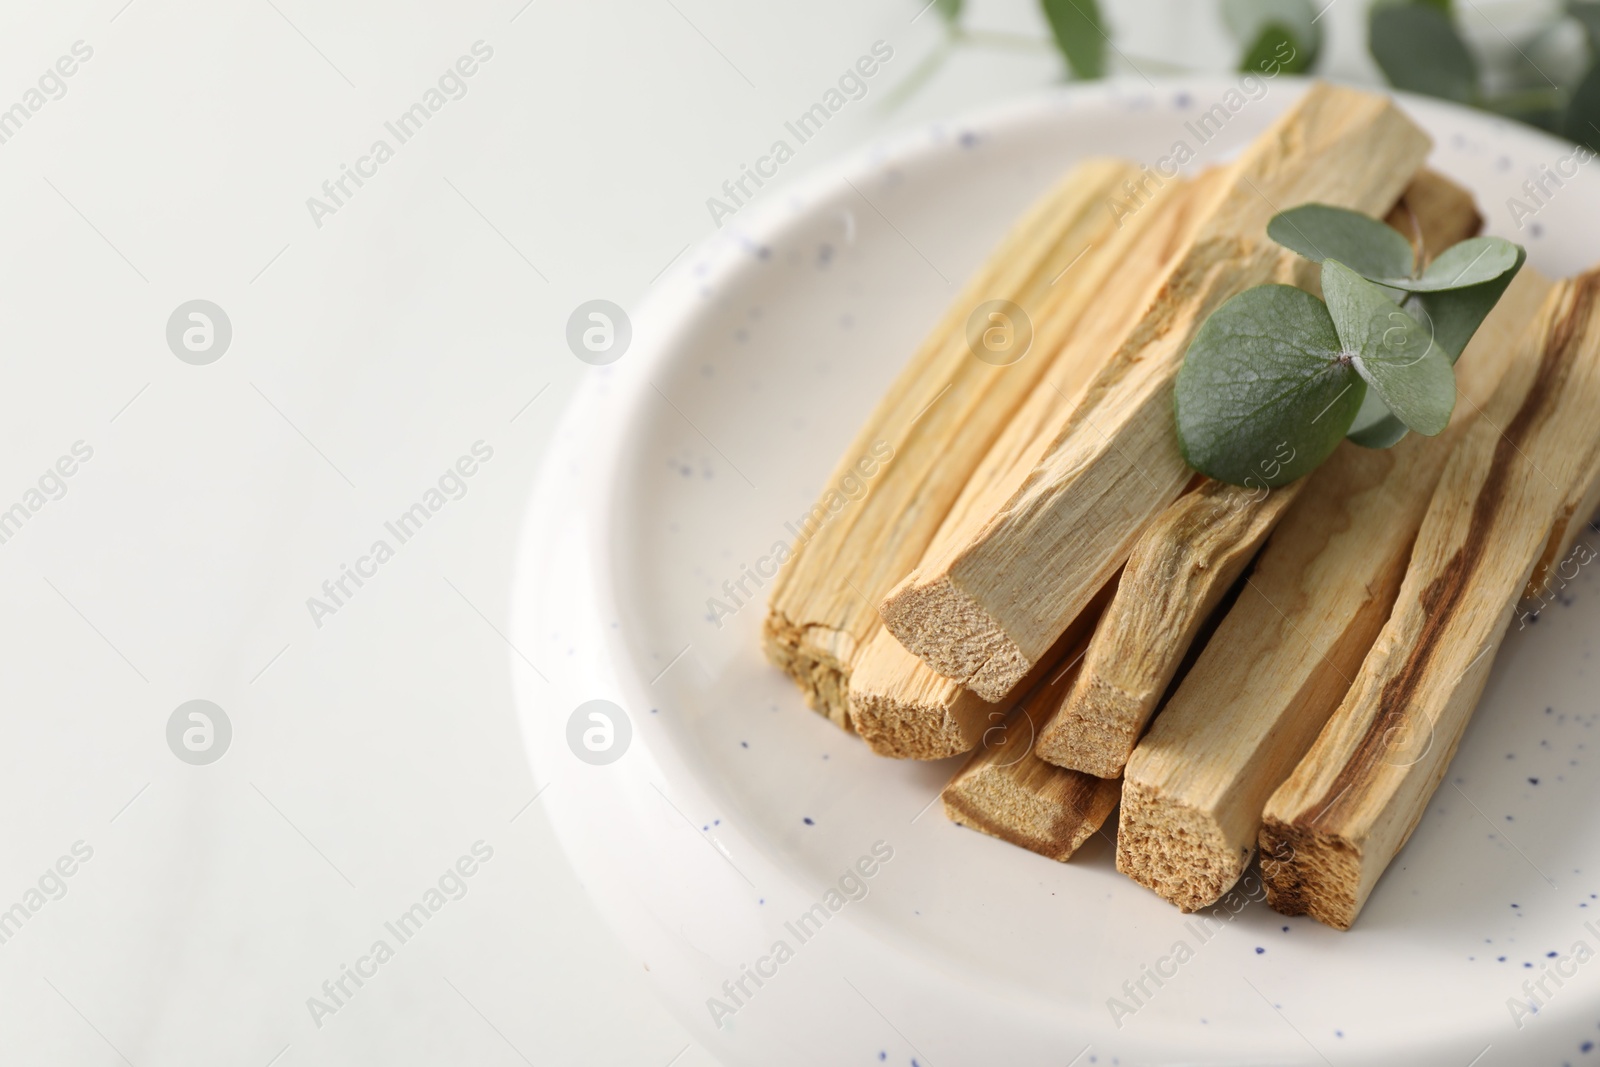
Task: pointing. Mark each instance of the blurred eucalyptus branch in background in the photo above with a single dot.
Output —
(1536, 61)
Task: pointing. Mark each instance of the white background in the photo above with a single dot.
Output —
(367, 355)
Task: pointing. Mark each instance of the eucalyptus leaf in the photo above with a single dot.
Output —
(1587, 12)
(1581, 122)
(1245, 18)
(1265, 394)
(1472, 262)
(1454, 315)
(1419, 49)
(1391, 350)
(1078, 31)
(1266, 51)
(1376, 426)
(1461, 266)
(1264, 27)
(1364, 244)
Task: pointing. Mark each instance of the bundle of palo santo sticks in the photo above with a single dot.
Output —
(1037, 571)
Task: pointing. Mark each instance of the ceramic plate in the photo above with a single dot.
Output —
(798, 900)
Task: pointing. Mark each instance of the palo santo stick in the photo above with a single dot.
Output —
(1177, 574)
(904, 709)
(1283, 657)
(1434, 214)
(1350, 805)
(900, 706)
(994, 598)
(1008, 792)
(1190, 556)
(940, 416)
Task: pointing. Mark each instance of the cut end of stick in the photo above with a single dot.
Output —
(1098, 726)
(904, 710)
(822, 680)
(1310, 873)
(952, 633)
(1007, 791)
(897, 730)
(1177, 851)
(1044, 809)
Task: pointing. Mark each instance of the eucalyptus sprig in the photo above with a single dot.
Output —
(1276, 377)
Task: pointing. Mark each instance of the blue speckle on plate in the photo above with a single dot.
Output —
(808, 822)
(1260, 950)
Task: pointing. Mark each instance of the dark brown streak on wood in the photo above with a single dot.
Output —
(1440, 599)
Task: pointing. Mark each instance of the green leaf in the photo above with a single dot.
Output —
(1364, 244)
(1380, 254)
(1391, 350)
(1581, 122)
(1454, 315)
(1472, 262)
(1274, 42)
(1077, 28)
(1264, 394)
(1451, 316)
(1271, 29)
(1375, 425)
(1587, 12)
(949, 10)
(1420, 50)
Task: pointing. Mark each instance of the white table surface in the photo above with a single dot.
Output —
(368, 353)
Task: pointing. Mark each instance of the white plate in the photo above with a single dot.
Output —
(734, 809)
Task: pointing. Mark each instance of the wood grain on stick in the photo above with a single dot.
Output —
(992, 599)
(1284, 656)
(1505, 496)
(940, 416)
(1177, 574)
(1190, 556)
(901, 706)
